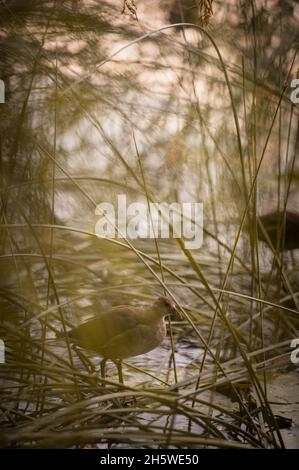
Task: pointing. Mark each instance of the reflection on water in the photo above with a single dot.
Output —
(168, 119)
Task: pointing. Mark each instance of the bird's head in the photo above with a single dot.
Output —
(165, 306)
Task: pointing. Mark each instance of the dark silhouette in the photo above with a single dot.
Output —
(282, 229)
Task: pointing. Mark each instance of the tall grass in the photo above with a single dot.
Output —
(98, 105)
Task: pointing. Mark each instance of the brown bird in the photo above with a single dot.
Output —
(282, 230)
(124, 331)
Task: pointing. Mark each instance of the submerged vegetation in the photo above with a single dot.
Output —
(98, 103)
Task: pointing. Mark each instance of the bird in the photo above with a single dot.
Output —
(124, 331)
(282, 228)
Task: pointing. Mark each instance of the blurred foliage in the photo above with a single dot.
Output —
(204, 104)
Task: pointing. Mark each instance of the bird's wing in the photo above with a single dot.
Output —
(131, 342)
(99, 332)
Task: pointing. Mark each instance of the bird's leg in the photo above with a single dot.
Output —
(118, 364)
(103, 368)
